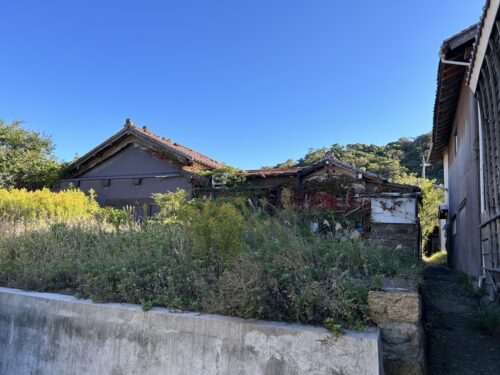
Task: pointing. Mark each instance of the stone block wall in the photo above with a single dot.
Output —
(398, 314)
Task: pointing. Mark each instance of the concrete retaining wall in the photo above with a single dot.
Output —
(43, 333)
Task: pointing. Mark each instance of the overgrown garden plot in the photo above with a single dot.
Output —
(227, 257)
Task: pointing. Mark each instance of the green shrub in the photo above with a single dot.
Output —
(217, 230)
(171, 206)
(115, 217)
(220, 257)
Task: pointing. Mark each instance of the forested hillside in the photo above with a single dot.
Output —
(395, 159)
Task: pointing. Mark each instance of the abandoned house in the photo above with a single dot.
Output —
(466, 136)
(382, 211)
(126, 169)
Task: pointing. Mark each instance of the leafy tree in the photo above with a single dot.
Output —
(26, 158)
(410, 150)
(287, 164)
(393, 160)
(312, 156)
(432, 197)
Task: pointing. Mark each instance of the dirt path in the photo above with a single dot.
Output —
(454, 345)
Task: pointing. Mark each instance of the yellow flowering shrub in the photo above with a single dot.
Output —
(21, 204)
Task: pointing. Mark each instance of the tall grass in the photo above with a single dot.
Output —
(216, 256)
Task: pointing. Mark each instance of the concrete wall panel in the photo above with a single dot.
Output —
(43, 333)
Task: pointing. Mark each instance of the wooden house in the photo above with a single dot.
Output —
(127, 168)
(466, 136)
(385, 212)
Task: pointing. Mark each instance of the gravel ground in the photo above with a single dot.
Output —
(454, 344)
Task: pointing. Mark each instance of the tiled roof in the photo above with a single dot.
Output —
(160, 142)
(185, 151)
(273, 171)
(331, 160)
(303, 171)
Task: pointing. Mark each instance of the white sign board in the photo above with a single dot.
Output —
(394, 210)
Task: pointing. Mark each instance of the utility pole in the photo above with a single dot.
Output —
(424, 165)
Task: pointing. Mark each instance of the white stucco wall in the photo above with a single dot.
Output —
(394, 210)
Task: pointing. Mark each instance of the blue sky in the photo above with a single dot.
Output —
(249, 83)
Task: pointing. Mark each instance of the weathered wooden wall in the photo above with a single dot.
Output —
(464, 207)
(488, 95)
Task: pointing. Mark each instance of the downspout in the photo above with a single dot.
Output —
(481, 278)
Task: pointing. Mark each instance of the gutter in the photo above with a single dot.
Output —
(452, 62)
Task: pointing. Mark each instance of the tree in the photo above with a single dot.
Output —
(432, 197)
(393, 160)
(26, 158)
(410, 150)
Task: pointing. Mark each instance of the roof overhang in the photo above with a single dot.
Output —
(121, 140)
(101, 152)
(330, 160)
(456, 49)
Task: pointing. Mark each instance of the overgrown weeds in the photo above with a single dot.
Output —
(225, 257)
(488, 321)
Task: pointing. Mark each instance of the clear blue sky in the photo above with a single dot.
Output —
(249, 83)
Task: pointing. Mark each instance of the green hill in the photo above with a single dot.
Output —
(392, 160)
